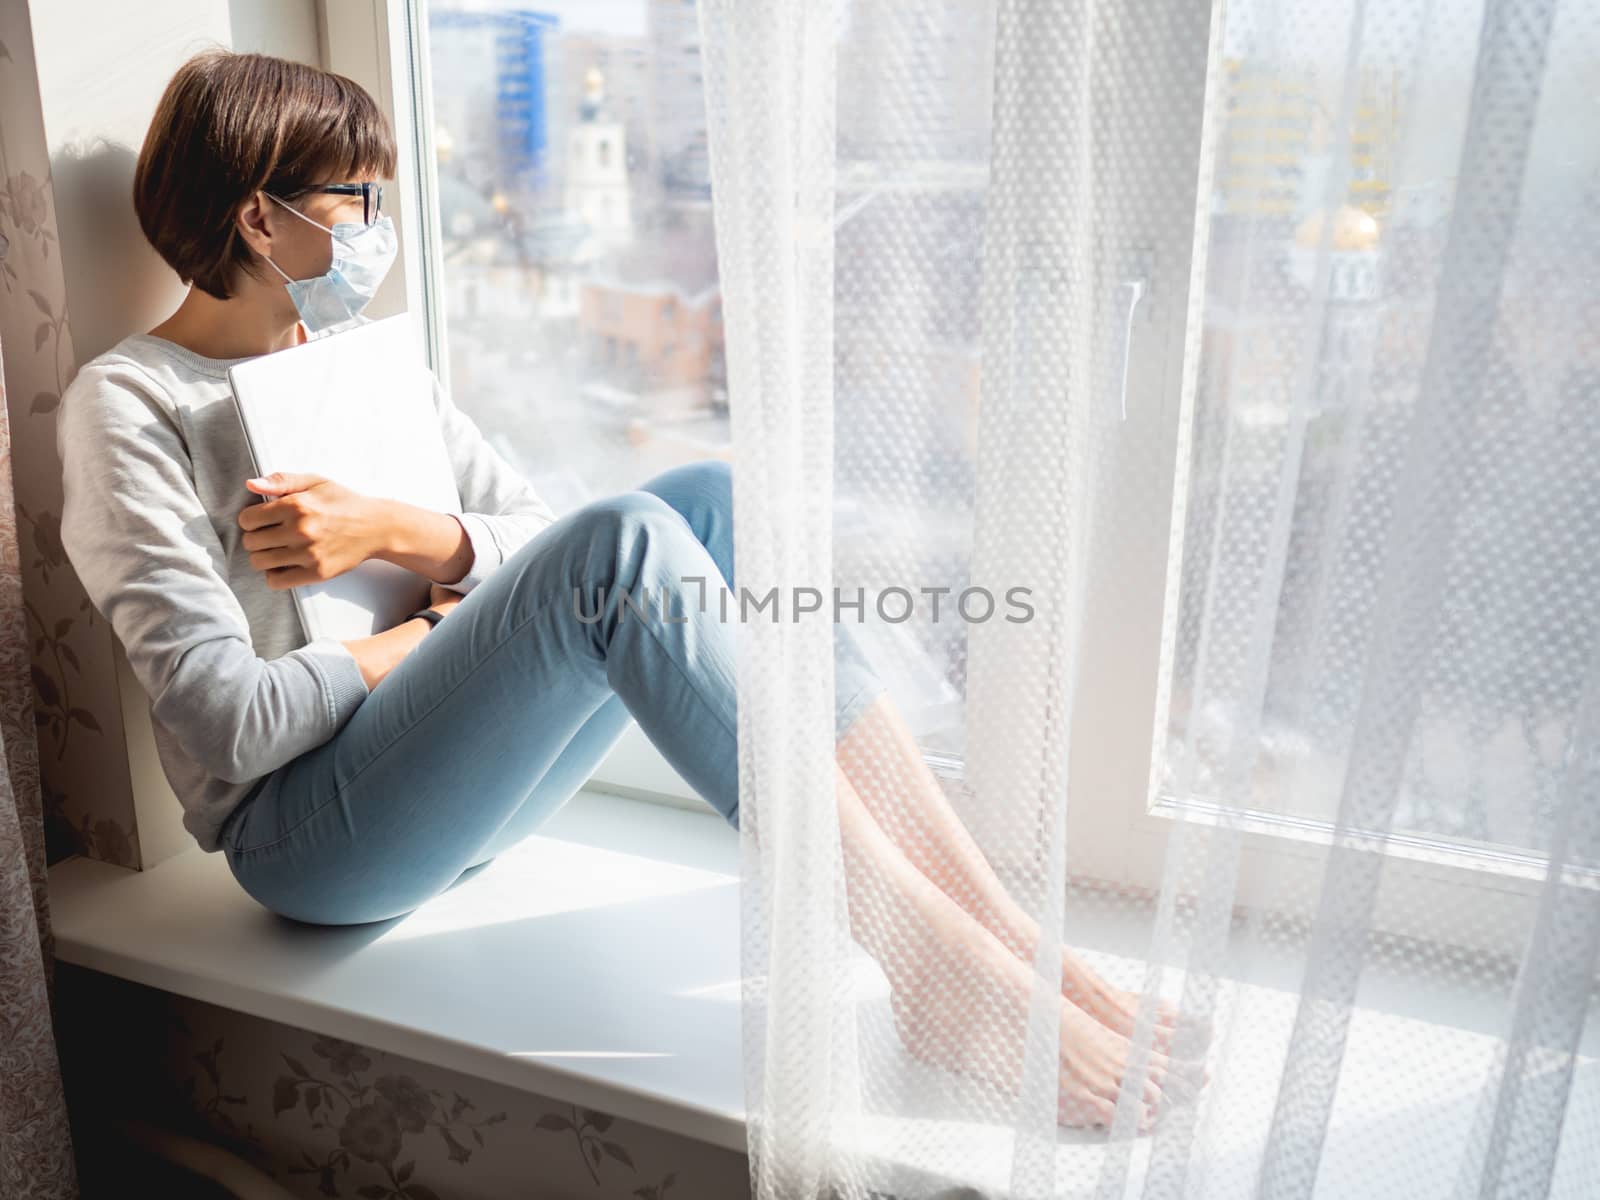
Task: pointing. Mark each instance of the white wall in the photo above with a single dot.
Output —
(102, 67)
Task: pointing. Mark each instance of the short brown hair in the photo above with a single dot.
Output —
(229, 125)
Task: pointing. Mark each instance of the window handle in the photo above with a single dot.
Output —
(1137, 287)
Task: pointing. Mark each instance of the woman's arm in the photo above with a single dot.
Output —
(500, 510)
(434, 545)
(144, 549)
(383, 652)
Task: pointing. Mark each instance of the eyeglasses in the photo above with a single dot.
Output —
(371, 196)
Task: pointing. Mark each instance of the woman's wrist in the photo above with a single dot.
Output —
(429, 616)
(386, 528)
(421, 540)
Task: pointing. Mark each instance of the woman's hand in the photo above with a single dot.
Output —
(383, 652)
(310, 528)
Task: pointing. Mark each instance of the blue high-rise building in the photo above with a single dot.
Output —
(511, 43)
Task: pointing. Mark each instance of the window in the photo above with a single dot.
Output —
(516, 95)
(580, 428)
(540, 108)
(1258, 229)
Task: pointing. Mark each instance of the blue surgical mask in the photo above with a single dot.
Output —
(362, 256)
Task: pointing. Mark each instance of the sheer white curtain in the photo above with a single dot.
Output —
(1257, 344)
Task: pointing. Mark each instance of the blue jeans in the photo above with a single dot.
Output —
(504, 709)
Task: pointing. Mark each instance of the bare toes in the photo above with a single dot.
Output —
(1082, 1110)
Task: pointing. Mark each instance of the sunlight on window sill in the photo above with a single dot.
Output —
(512, 888)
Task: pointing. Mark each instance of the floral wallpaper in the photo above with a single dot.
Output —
(329, 1118)
(83, 765)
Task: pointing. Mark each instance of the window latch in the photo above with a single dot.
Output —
(1136, 289)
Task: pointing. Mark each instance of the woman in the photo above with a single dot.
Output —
(351, 780)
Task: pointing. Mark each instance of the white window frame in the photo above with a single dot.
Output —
(1478, 900)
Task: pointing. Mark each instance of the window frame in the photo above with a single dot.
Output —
(1449, 894)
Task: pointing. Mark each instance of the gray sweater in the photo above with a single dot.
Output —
(153, 471)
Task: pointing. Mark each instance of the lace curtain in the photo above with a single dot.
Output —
(1256, 344)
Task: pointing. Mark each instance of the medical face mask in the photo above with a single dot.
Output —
(362, 256)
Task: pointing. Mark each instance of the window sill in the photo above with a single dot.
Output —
(1423, 1043)
(595, 963)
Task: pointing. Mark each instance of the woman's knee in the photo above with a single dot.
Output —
(612, 523)
(709, 479)
(611, 515)
(714, 474)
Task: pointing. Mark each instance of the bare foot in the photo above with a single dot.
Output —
(1115, 1008)
(885, 766)
(960, 997)
(971, 1017)
(988, 904)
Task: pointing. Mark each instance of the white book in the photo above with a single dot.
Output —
(356, 407)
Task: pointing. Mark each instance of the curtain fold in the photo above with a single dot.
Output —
(36, 1158)
(771, 132)
(1254, 343)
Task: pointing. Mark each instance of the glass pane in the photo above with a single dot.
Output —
(584, 319)
(912, 175)
(584, 323)
(1340, 136)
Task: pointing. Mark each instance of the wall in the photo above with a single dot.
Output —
(329, 1118)
(79, 80)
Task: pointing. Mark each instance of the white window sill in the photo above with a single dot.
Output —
(597, 963)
